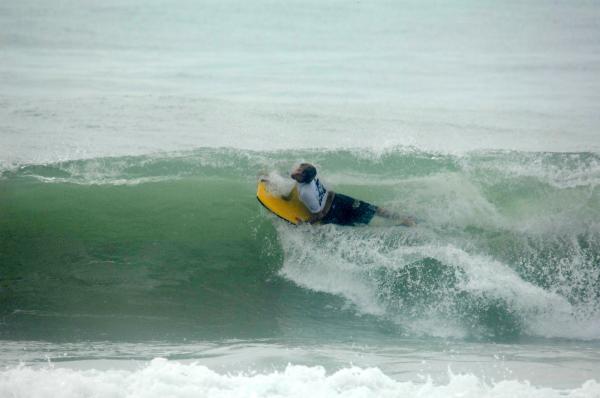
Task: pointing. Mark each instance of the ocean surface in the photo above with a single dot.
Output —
(135, 260)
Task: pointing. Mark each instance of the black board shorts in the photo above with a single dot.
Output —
(349, 211)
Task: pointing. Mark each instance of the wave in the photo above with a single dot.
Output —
(439, 289)
(161, 377)
(507, 247)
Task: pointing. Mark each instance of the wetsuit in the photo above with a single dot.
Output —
(344, 210)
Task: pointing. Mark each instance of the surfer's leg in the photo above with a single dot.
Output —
(406, 221)
(381, 212)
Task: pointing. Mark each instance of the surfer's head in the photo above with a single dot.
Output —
(304, 173)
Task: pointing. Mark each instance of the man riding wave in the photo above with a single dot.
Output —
(328, 207)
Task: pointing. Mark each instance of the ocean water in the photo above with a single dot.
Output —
(135, 260)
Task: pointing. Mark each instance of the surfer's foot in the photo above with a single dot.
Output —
(408, 222)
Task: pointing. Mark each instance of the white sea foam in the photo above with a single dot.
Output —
(345, 262)
(560, 170)
(327, 267)
(104, 180)
(162, 378)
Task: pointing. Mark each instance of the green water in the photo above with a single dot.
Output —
(176, 247)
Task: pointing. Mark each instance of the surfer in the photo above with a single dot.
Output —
(328, 207)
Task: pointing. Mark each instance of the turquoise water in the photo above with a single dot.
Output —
(172, 256)
(135, 259)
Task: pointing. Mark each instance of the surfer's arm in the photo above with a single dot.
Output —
(316, 217)
(287, 197)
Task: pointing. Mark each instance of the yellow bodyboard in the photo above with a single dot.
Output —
(289, 210)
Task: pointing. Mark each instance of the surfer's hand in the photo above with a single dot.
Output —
(287, 197)
(299, 221)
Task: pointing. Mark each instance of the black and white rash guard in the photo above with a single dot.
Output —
(313, 194)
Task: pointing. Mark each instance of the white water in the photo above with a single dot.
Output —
(161, 378)
(341, 262)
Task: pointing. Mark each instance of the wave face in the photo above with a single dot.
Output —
(175, 246)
